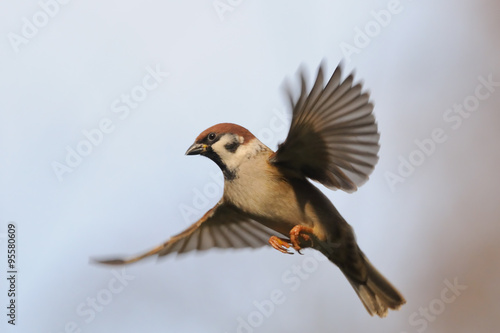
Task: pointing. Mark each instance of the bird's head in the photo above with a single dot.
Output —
(226, 144)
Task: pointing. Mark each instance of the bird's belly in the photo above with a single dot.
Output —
(281, 213)
(281, 220)
(309, 208)
(282, 205)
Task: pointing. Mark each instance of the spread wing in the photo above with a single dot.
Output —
(223, 226)
(333, 136)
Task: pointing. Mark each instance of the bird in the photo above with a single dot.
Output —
(269, 197)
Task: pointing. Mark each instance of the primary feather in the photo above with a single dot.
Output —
(333, 136)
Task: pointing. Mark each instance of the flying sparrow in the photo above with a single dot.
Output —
(268, 198)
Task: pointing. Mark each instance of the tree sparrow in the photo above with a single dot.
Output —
(268, 198)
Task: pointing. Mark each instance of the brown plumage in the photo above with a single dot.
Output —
(333, 139)
(226, 128)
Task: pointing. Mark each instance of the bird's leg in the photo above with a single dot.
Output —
(280, 244)
(301, 237)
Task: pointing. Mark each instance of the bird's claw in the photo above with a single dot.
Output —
(300, 237)
(280, 244)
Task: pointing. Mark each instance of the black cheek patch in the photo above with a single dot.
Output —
(231, 147)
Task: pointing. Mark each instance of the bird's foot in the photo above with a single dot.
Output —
(280, 244)
(301, 237)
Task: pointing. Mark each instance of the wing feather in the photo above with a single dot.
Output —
(333, 135)
(224, 226)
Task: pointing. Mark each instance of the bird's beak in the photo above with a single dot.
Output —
(196, 149)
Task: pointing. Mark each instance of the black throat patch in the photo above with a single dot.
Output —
(228, 174)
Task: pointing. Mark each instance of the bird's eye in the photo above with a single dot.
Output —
(211, 136)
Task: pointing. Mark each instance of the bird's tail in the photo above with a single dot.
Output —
(375, 291)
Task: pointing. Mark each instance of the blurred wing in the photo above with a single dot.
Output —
(223, 226)
(333, 136)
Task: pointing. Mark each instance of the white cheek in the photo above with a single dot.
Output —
(233, 160)
(227, 157)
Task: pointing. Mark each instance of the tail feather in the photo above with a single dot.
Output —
(376, 292)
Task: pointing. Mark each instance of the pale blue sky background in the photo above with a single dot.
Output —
(128, 194)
